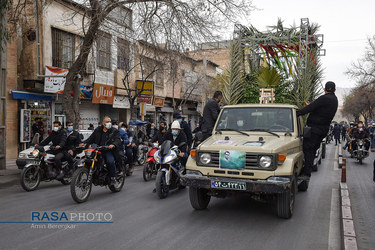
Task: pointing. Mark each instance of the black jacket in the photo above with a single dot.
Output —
(113, 137)
(179, 139)
(58, 139)
(187, 130)
(159, 137)
(72, 141)
(210, 113)
(321, 111)
(356, 134)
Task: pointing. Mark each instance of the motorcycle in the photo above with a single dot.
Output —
(169, 169)
(149, 169)
(43, 168)
(142, 153)
(360, 153)
(94, 171)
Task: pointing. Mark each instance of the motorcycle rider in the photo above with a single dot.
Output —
(177, 136)
(133, 145)
(159, 136)
(58, 139)
(106, 135)
(73, 139)
(185, 127)
(360, 133)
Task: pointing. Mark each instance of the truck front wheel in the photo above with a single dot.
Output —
(285, 202)
(199, 199)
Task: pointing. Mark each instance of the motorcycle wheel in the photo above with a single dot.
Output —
(79, 188)
(147, 171)
(120, 183)
(360, 161)
(30, 178)
(162, 189)
(142, 158)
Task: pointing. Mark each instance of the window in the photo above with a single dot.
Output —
(123, 54)
(159, 81)
(153, 69)
(62, 49)
(103, 58)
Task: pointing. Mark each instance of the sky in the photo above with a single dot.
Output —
(344, 24)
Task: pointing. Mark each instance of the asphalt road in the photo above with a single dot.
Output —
(142, 221)
(362, 196)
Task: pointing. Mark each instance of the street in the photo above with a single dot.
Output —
(362, 195)
(142, 221)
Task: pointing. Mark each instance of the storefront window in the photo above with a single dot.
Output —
(43, 110)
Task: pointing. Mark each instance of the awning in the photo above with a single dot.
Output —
(32, 96)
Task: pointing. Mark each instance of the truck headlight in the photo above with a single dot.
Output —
(205, 158)
(265, 161)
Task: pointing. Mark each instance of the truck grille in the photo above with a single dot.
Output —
(251, 160)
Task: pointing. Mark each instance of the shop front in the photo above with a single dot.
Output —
(32, 106)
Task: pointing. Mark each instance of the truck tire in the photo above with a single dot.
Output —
(199, 199)
(285, 202)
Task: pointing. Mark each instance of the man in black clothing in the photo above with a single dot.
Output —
(58, 138)
(210, 113)
(321, 111)
(177, 136)
(185, 127)
(73, 140)
(159, 136)
(106, 135)
(360, 133)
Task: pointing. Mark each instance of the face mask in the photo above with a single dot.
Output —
(179, 120)
(115, 126)
(56, 129)
(174, 132)
(70, 128)
(360, 126)
(240, 123)
(108, 125)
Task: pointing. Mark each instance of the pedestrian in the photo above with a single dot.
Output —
(336, 133)
(321, 113)
(343, 132)
(210, 113)
(36, 130)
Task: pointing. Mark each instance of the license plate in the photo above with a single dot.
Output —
(228, 185)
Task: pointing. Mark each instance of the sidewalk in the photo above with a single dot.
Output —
(10, 175)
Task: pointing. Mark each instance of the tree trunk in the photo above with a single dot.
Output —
(71, 104)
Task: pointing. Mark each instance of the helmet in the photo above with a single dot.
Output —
(176, 125)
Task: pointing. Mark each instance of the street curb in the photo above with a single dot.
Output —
(349, 240)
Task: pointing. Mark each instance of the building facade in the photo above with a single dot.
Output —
(48, 41)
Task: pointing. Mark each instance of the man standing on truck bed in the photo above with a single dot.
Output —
(321, 111)
(210, 113)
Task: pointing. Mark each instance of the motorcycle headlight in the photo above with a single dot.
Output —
(88, 153)
(157, 157)
(35, 153)
(205, 158)
(265, 161)
(22, 155)
(360, 143)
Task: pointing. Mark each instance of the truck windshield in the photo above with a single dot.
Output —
(247, 119)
